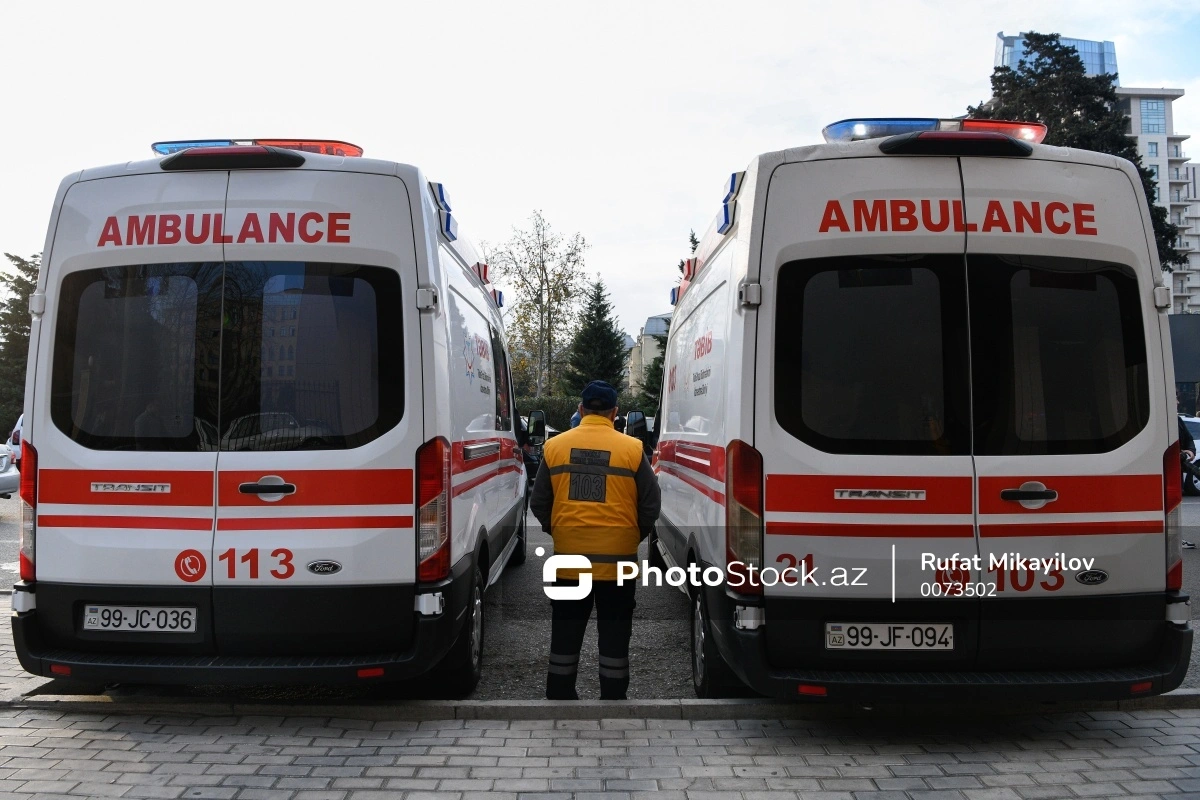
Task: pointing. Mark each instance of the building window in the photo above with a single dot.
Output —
(1154, 116)
(1174, 151)
(1153, 170)
(1152, 149)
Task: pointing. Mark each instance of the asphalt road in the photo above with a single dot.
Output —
(517, 635)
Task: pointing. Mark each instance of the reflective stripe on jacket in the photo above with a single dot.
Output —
(596, 495)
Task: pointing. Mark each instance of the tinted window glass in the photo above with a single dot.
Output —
(503, 393)
(136, 357)
(871, 354)
(1059, 355)
(312, 355)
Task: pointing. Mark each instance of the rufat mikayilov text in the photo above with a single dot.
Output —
(1007, 561)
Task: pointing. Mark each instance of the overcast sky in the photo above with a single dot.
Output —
(617, 120)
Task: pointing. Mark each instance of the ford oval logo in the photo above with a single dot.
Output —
(324, 567)
(1092, 577)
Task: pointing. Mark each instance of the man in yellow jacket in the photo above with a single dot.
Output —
(596, 495)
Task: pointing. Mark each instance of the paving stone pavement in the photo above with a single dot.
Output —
(59, 754)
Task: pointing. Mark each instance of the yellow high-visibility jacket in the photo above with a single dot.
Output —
(596, 495)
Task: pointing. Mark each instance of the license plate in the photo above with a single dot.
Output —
(887, 636)
(140, 619)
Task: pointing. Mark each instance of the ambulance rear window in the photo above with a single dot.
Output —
(871, 354)
(233, 356)
(136, 358)
(1059, 355)
(312, 356)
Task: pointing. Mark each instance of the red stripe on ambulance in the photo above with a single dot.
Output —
(310, 227)
(856, 530)
(1077, 494)
(352, 487)
(937, 216)
(126, 487)
(865, 494)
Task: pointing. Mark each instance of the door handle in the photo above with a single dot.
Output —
(267, 488)
(473, 451)
(1017, 495)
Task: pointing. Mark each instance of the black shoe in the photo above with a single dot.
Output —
(1188, 545)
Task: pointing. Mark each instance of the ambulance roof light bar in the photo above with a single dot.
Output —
(859, 129)
(327, 147)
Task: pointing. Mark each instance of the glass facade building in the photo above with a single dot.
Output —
(1099, 58)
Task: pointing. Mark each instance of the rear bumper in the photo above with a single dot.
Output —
(430, 639)
(747, 653)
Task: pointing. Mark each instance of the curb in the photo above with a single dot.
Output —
(683, 709)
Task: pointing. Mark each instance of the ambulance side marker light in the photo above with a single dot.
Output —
(810, 690)
(1139, 688)
(60, 669)
(371, 672)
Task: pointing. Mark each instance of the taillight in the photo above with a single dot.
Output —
(743, 517)
(29, 472)
(433, 509)
(1173, 507)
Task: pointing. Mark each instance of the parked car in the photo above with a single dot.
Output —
(1191, 484)
(14, 442)
(10, 479)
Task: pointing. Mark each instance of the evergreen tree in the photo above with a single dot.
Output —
(1051, 86)
(598, 350)
(18, 285)
(652, 386)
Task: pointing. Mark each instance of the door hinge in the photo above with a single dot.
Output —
(1162, 296)
(37, 304)
(750, 294)
(427, 299)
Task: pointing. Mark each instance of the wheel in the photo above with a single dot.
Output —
(518, 554)
(463, 664)
(711, 676)
(1191, 484)
(656, 557)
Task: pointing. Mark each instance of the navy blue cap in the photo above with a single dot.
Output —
(599, 396)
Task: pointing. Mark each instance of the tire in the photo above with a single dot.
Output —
(1191, 484)
(463, 664)
(518, 554)
(656, 558)
(711, 676)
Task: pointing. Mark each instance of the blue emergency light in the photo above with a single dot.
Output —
(328, 147)
(855, 130)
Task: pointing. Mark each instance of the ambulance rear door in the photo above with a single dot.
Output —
(862, 415)
(123, 415)
(314, 551)
(1069, 410)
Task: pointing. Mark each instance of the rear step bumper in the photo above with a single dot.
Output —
(431, 639)
(746, 652)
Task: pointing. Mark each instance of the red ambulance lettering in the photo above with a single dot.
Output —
(1085, 214)
(339, 227)
(703, 345)
(1028, 214)
(943, 220)
(190, 232)
(904, 215)
(936, 216)
(139, 232)
(869, 219)
(250, 230)
(994, 217)
(167, 229)
(281, 230)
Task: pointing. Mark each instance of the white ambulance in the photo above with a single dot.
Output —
(919, 411)
(270, 425)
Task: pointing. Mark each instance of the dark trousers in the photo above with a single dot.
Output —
(614, 625)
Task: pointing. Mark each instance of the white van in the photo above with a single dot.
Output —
(919, 409)
(270, 429)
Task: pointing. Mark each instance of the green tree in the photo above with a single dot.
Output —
(18, 284)
(545, 271)
(598, 350)
(1051, 86)
(652, 386)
